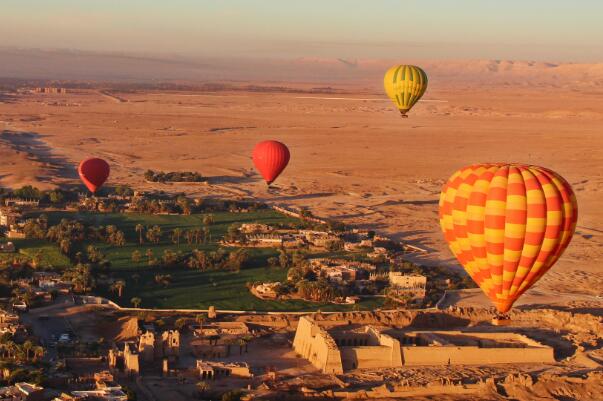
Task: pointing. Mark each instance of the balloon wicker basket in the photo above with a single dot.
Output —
(501, 320)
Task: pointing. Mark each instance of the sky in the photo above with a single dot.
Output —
(544, 30)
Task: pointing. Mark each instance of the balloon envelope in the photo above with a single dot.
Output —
(93, 172)
(405, 84)
(507, 225)
(270, 159)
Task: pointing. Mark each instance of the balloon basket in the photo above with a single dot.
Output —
(501, 320)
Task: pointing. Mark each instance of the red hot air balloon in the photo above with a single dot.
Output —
(93, 172)
(270, 158)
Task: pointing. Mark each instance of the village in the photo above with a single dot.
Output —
(336, 279)
(198, 355)
(68, 333)
(199, 349)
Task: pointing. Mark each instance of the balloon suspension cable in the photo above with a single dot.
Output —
(403, 114)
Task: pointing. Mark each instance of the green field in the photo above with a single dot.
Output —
(47, 254)
(121, 257)
(191, 289)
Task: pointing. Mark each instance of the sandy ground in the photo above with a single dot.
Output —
(353, 157)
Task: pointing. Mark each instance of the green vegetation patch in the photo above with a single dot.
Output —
(188, 288)
(44, 253)
(193, 289)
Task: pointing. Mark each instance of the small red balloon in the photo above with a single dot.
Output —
(270, 158)
(93, 172)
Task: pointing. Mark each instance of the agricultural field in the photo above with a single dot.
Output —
(121, 257)
(190, 288)
(45, 254)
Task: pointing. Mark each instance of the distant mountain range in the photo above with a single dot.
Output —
(118, 67)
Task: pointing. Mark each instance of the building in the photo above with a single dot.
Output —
(51, 90)
(211, 370)
(22, 202)
(170, 344)
(152, 347)
(321, 239)
(341, 270)
(148, 349)
(266, 240)
(146, 346)
(341, 274)
(402, 281)
(266, 290)
(107, 394)
(411, 286)
(7, 247)
(8, 318)
(254, 228)
(378, 252)
(126, 360)
(221, 329)
(15, 233)
(342, 347)
(9, 216)
(22, 392)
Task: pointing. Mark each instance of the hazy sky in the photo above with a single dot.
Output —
(555, 30)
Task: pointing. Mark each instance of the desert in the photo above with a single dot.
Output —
(353, 160)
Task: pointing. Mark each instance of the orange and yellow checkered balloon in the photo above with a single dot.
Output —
(507, 224)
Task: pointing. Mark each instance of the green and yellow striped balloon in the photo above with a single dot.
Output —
(405, 84)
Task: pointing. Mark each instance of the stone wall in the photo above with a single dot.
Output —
(418, 356)
(317, 346)
(384, 350)
(367, 357)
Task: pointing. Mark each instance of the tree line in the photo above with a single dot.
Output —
(173, 176)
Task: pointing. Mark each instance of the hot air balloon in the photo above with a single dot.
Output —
(270, 158)
(405, 84)
(507, 224)
(93, 172)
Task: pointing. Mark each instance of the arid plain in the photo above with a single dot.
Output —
(353, 157)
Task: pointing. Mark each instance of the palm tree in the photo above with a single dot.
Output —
(27, 346)
(11, 349)
(154, 234)
(136, 256)
(163, 279)
(139, 229)
(229, 342)
(247, 339)
(38, 352)
(65, 246)
(208, 219)
(119, 286)
(203, 387)
(189, 235)
(176, 233)
(136, 302)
